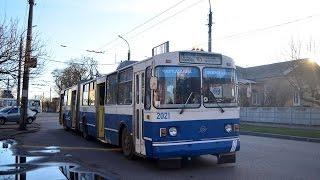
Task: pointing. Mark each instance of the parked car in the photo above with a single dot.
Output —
(12, 114)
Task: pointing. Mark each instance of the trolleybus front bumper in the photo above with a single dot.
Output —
(164, 150)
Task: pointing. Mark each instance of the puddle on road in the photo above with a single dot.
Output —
(31, 166)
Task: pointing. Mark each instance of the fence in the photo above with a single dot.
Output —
(284, 115)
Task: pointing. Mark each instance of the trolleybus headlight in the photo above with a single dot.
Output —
(173, 131)
(228, 128)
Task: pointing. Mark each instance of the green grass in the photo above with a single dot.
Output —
(310, 133)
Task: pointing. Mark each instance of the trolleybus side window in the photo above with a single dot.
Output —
(142, 88)
(137, 89)
(85, 95)
(147, 104)
(101, 90)
(219, 87)
(69, 97)
(92, 96)
(65, 97)
(112, 89)
(177, 87)
(125, 87)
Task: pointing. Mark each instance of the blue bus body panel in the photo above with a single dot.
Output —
(112, 125)
(91, 123)
(202, 137)
(193, 149)
(194, 138)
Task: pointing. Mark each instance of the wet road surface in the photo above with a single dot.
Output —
(259, 157)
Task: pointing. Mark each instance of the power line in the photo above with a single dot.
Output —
(235, 35)
(142, 24)
(165, 19)
(152, 18)
(269, 27)
(64, 62)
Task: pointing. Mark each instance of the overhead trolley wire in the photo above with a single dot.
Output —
(154, 17)
(235, 35)
(269, 27)
(144, 23)
(70, 62)
(165, 19)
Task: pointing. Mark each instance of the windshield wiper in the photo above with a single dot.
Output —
(215, 99)
(185, 104)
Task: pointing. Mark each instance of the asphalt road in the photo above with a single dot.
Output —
(259, 157)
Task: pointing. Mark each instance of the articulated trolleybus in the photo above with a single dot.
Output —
(172, 105)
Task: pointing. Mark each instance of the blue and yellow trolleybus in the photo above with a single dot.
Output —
(172, 105)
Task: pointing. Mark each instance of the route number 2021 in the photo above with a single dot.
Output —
(163, 115)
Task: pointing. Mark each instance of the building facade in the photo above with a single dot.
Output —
(284, 84)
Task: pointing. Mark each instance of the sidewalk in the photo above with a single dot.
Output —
(292, 126)
(282, 131)
(10, 130)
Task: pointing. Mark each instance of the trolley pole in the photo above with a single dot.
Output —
(209, 27)
(25, 84)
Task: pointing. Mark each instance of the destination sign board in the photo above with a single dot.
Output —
(200, 58)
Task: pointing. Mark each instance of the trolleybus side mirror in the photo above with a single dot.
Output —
(153, 83)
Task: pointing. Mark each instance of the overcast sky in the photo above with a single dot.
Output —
(251, 32)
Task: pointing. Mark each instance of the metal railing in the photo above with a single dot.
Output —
(309, 116)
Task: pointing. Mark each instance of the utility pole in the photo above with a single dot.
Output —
(50, 94)
(19, 71)
(25, 84)
(209, 26)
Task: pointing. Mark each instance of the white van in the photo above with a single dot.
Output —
(35, 105)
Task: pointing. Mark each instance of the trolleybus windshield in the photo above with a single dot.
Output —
(175, 84)
(219, 87)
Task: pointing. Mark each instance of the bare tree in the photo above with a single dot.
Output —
(77, 70)
(10, 38)
(9, 43)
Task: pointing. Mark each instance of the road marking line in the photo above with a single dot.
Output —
(72, 148)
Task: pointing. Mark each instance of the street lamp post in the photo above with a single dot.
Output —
(128, 46)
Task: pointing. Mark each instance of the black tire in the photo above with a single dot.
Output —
(229, 158)
(85, 129)
(127, 144)
(29, 120)
(2, 121)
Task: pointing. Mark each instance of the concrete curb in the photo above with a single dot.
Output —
(296, 138)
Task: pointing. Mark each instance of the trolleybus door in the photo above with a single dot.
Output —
(73, 108)
(100, 110)
(139, 86)
(60, 107)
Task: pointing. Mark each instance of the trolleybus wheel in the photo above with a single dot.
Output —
(226, 158)
(127, 144)
(29, 120)
(65, 127)
(85, 134)
(2, 121)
